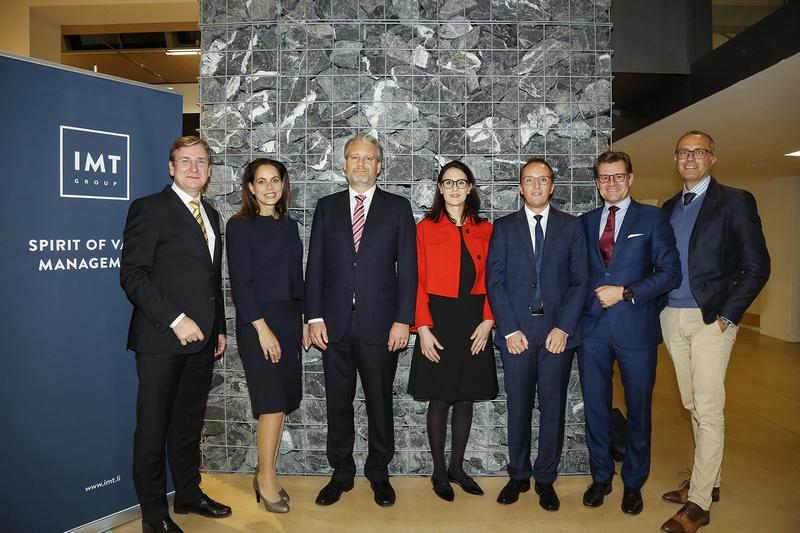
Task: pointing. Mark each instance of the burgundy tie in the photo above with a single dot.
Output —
(358, 220)
(607, 238)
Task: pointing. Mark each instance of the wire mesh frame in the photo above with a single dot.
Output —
(238, 158)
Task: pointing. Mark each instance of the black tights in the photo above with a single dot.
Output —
(437, 431)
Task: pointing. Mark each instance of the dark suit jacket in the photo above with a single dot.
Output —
(510, 276)
(382, 276)
(646, 260)
(265, 264)
(166, 270)
(728, 258)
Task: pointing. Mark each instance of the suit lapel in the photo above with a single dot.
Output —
(187, 220)
(553, 230)
(343, 220)
(709, 203)
(524, 234)
(627, 223)
(214, 220)
(374, 215)
(594, 235)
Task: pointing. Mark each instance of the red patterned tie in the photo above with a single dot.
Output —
(358, 220)
(607, 238)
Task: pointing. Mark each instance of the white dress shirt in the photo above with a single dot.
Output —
(532, 223)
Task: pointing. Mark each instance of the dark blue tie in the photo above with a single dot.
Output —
(538, 235)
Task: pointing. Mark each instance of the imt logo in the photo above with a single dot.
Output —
(95, 164)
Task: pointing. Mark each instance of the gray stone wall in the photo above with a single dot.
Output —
(486, 81)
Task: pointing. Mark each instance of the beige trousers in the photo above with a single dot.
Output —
(700, 353)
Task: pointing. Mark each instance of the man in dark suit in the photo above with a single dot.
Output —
(170, 270)
(536, 282)
(724, 264)
(632, 262)
(361, 283)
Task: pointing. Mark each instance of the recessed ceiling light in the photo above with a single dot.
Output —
(183, 52)
(793, 154)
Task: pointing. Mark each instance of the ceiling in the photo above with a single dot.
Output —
(754, 123)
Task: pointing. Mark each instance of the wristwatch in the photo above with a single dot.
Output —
(627, 293)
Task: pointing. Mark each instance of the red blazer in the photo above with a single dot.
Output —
(438, 261)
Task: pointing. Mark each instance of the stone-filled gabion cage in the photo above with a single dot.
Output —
(489, 82)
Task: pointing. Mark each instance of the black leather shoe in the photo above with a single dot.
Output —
(593, 497)
(205, 506)
(164, 526)
(632, 501)
(510, 493)
(467, 484)
(384, 493)
(331, 492)
(443, 490)
(548, 498)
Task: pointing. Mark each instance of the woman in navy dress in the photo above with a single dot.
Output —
(265, 257)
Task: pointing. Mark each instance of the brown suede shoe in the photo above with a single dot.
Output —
(689, 519)
(681, 495)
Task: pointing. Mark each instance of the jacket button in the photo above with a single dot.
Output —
(533, 285)
(467, 230)
(479, 257)
(606, 274)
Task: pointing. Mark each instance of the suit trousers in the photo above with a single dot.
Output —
(171, 403)
(700, 353)
(376, 366)
(535, 371)
(637, 372)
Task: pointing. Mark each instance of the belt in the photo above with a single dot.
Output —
(536, 311)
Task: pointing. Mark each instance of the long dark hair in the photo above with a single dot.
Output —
(249, 208)
(472, 204)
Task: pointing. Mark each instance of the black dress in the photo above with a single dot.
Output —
(458, 375)
(265, 264)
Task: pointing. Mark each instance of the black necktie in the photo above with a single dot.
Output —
(688, 197)
(538, 235)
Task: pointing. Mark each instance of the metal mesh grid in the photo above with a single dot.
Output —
(452, 82)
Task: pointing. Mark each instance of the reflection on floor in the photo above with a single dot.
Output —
(759, 491)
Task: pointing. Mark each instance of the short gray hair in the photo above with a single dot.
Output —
(366, 138)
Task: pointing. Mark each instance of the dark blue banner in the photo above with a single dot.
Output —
(76, 149)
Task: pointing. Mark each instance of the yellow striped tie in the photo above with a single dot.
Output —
(198, 217)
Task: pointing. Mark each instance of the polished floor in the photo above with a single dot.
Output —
(759, 491)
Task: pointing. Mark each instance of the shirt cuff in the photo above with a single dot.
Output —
(510, 334)
(175, 322)
(312, 320)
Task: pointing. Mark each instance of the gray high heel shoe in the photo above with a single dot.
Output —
(282, 493)
(273, 507)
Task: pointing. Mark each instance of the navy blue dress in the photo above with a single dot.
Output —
(265, 258)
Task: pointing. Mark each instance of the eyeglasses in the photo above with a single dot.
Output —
(698, 153)
(459, 184)
(186, 162)
(541, 180)
(605, 178)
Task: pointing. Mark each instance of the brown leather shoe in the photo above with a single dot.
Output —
(681, 495)
(689, 519)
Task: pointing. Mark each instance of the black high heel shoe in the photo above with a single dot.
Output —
(443, 490)
(466, 483)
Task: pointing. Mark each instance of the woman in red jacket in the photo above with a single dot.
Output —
(453, 360)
